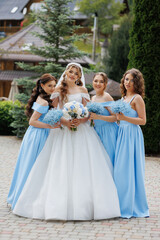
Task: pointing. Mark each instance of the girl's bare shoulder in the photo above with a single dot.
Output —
(107, 97)
(42, 101)
(93, 98)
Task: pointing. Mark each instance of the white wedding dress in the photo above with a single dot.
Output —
(71, 178)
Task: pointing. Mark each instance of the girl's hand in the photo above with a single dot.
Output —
(120, 116)
(56, 125)
(93, 116)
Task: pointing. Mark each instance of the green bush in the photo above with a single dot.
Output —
(20, 122)
(6, 118)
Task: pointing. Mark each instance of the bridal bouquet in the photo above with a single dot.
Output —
(95, 107)
(120, 106)
(53, 116)
(74, 110)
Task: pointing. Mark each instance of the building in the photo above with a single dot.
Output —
(14, 49)
(113, 87)
(12, 13)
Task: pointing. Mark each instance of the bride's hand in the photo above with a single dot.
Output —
(76, 122)
(67, 123)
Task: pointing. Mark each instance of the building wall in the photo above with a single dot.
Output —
(7, 65)
(5, 88)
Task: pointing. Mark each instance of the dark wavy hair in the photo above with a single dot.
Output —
(138, 81)
(64, 85)
(38, 91)
(104, 75)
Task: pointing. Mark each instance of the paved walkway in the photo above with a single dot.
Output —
(14, 227)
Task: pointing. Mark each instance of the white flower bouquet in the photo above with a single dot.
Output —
(74, 110)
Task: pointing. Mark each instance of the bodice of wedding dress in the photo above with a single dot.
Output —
(70, 97)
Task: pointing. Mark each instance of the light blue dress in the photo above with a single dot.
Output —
(107, 131)
(32, 144)
(129, 169)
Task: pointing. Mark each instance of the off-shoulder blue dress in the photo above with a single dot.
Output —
(107, 131)
(32, 144)
(129, 169)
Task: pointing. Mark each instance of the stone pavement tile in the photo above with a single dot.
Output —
(19, 228)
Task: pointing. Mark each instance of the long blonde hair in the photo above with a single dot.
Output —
(64, 85)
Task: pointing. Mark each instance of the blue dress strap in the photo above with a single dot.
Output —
(132, 98)
(39, 108)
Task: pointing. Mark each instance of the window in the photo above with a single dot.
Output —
(14, 9)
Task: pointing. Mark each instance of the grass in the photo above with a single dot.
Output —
(87, 46)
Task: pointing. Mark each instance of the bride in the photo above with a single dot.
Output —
(72, 177)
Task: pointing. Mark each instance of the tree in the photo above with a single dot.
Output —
(130, 3)
(117, 62)
(58, 34)
(144, 55)
(20, 122)
(107, 10)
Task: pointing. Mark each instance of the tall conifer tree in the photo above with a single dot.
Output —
(145, 55)
(58, 35)
(117, 62)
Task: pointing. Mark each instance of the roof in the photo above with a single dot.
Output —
(76, 15)
(6, 6)
(35, 58)
(72, 7)
(113, 87)
(12, 48)
(15, 42)
(10, 75)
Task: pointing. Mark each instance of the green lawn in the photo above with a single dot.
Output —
(86, 47)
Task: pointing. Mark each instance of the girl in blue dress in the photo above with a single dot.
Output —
(35, 136)
(129, 156)
(105, 125)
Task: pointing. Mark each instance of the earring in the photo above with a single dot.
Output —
(77, 82)
(40, 88)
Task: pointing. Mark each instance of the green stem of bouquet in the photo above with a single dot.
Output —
(74, 129)
(92, 123)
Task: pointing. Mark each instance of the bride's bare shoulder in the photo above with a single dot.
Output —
(83, 89)
(57, 89)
